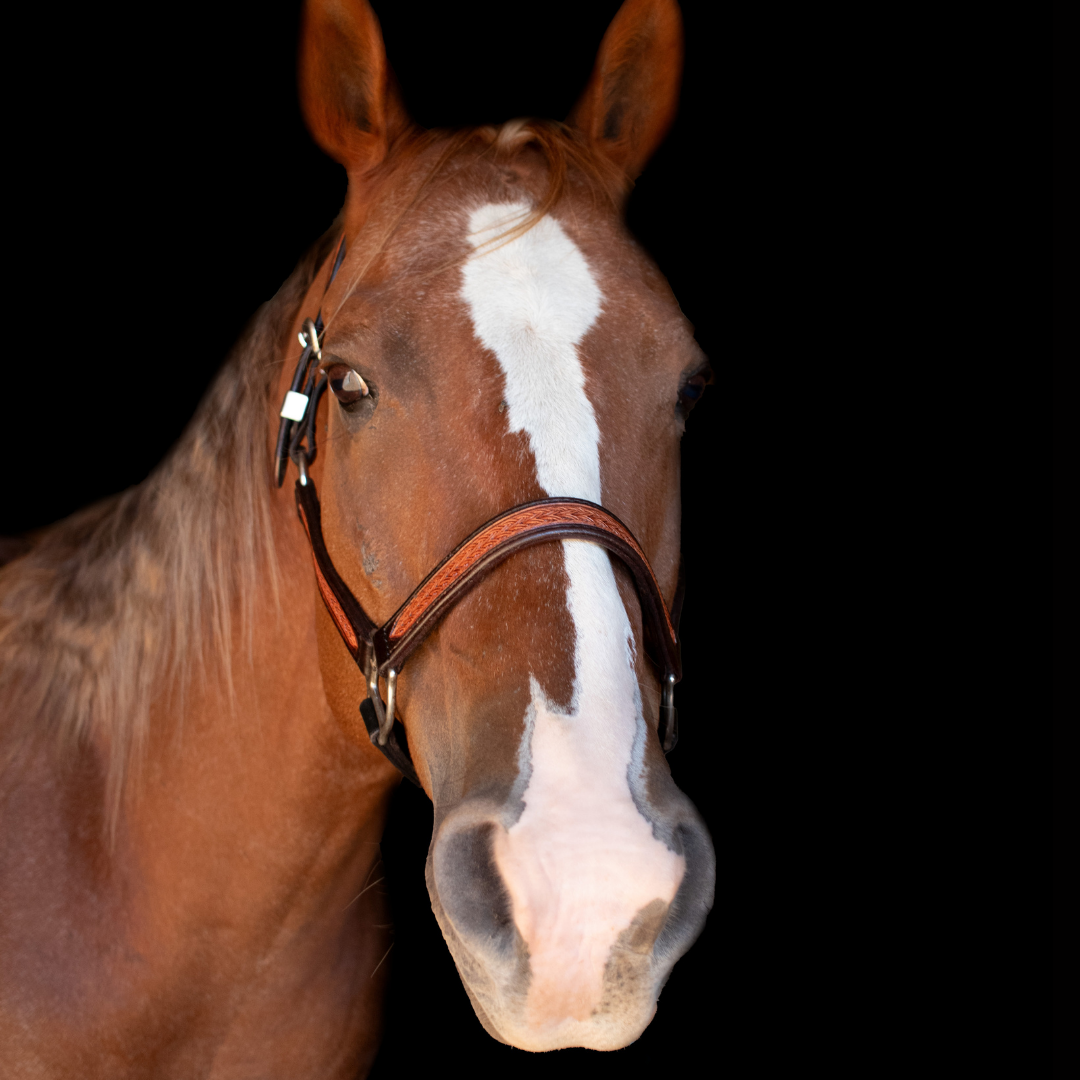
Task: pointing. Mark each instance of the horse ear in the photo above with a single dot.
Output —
(633, 93)
(348, 94)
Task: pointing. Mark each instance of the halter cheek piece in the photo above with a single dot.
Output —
(380, 651)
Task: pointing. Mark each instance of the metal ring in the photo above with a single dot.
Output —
(373, 692)
(312, 335)
(391, 693)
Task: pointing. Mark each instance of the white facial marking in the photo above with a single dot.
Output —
(581, 861)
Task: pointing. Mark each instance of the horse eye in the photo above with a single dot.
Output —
(692, 391)
(345, 384)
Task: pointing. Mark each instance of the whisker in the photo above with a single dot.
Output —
(380, 963)
(361, 893)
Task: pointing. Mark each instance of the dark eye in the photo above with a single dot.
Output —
(345, 384)
(692, 390)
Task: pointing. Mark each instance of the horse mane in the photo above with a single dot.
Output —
(135, 595)
(137, 591)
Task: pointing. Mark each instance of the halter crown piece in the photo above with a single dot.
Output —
(380, 651)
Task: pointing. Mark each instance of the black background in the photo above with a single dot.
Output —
(845, 212)
(171, 190)
(1066, 453)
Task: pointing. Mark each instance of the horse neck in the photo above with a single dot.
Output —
(246, 736)
(243, 852)
(247, 788)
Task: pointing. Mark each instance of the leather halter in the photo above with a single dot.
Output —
(380, 651)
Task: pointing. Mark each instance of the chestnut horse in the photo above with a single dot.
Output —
(192, 803)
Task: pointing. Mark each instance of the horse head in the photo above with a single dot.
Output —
(494, 336)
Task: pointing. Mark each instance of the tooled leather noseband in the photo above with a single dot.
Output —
(380, 651)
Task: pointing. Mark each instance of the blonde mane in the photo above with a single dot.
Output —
(122, 601)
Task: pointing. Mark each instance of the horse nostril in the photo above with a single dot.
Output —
(471, 888)
(692, 902)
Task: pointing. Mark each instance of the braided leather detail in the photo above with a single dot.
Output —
(335, 609)
(512, 526)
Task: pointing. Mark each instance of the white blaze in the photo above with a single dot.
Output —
(581, 861)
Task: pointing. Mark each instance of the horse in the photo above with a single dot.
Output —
(476, 382)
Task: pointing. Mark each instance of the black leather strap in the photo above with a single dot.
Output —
(354, 624)
(397, 745)
(288, 429)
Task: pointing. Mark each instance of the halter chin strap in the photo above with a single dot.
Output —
(381, 651)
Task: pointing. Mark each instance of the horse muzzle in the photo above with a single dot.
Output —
(552, 959)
